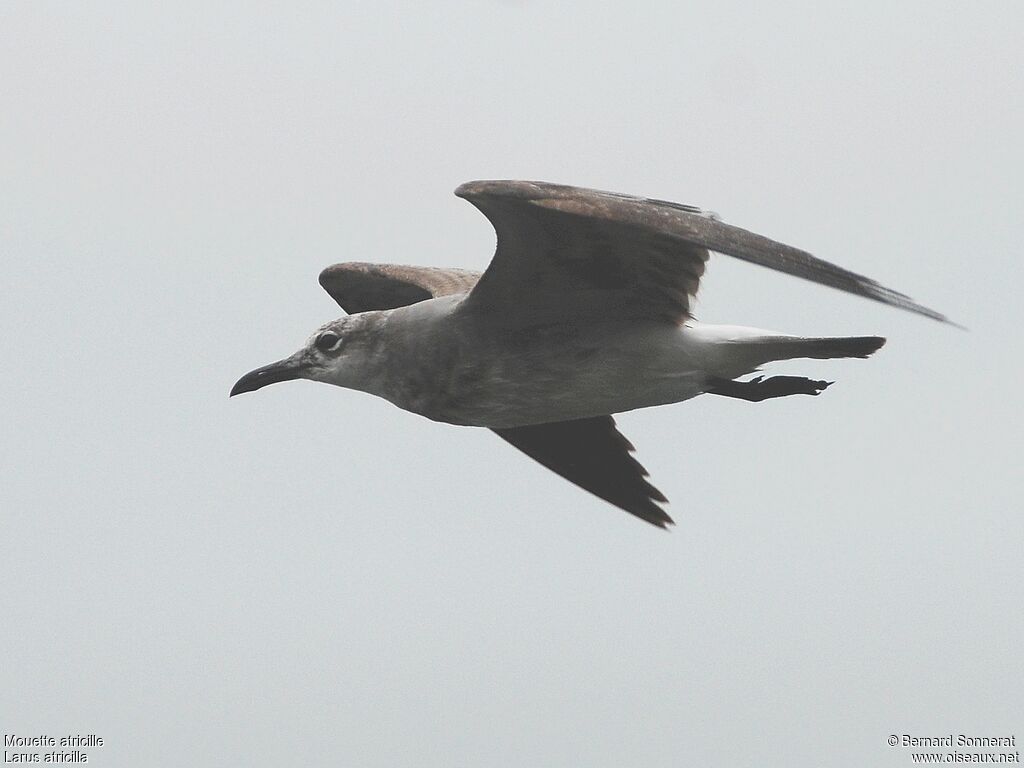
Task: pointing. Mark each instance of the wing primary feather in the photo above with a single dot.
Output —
(642, 226)
(757, 249)
(594, 455)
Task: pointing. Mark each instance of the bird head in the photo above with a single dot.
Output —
(326, 357)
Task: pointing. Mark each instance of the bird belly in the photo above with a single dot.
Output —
(560, 377)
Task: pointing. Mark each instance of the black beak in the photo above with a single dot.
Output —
(283, 370)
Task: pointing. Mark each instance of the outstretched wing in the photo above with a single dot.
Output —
(571, 252)
(359, 287)
(591, 453)
(594, 455)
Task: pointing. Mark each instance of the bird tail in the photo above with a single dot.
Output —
(823, 348)
(751, 353)
(734, 350)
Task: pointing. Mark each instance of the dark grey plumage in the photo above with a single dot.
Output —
(591, 453)
(584, 311)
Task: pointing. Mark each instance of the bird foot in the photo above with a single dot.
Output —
(760, 388)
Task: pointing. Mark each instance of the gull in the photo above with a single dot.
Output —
(583, 312)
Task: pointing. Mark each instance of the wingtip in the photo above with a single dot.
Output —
(902, 301)
(657, 517)
(467, 189)
(509, 188)
(325, 276)
(931, 313)
(331, 272)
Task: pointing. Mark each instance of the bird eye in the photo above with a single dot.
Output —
(327, 341)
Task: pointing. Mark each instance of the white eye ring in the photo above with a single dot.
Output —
(327, 341)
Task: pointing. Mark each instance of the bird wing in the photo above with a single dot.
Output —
(591, 453)
(360, 287)
(567, 252)
(594, 455)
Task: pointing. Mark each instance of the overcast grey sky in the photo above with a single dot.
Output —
(309, 576)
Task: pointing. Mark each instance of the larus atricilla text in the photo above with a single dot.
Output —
(583, 312)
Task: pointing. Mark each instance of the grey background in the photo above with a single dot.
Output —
(308, 576)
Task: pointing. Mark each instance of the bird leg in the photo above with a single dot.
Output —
(760, 388)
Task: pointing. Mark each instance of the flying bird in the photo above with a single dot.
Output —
(583, 312)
